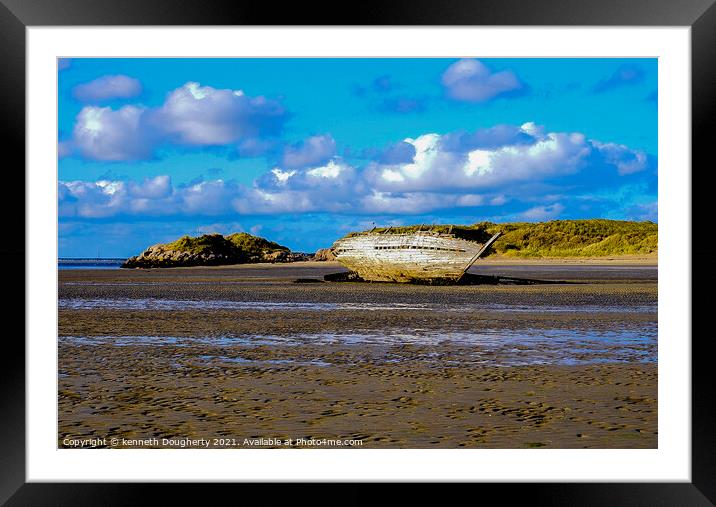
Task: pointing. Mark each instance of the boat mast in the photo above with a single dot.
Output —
(481, 251)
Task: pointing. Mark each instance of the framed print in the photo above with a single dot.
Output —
(290, 250)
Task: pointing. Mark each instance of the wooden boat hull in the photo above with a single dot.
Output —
(406, 257)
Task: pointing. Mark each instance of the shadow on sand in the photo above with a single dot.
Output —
(467, 279)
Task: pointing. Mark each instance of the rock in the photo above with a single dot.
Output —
(284, 256)
(280, 256)
(324, 254)
(212, 250)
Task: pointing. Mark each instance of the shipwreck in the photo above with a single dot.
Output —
(407, 254)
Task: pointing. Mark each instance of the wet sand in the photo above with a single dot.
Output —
(243, 352)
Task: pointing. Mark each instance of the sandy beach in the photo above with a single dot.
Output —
(233, 355)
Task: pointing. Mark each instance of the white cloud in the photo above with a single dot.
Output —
(101, 133)
(192, 115)
(282, 176)
(212, 197)
(260, 202)
(89, 199)
(539, 213)
(470, 80)
(204, 116)
(330, 170)
(441, 175)
(418, 202)
(334, 187)
(435, 167)
(107, 88)
(627, 161)
(470, 200)
(152, 196)
(151, 188)
(414, 202)
(310, 152)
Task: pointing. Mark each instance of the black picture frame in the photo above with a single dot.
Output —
(16, 15)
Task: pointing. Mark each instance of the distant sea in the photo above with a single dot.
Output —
(111, 263)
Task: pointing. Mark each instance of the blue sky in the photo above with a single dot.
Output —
(302, 151)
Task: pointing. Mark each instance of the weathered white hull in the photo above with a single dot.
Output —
(406, 257)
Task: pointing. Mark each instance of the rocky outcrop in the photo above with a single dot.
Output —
(159, 256)
(283, 256)
(324, 254)
(212, 250)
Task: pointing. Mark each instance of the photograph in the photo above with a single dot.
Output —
(357, 253)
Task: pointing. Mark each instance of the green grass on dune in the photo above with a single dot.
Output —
(239, 243)
(254, 245)
(557, 238)
(200, 244)
(575, 238)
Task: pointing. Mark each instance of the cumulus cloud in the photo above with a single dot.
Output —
(151, 197)
(333, 187)
(625, 75)
(192, 115)
(151, 188)
(548, 155)
(102, 133)
(488, 167)
(398, 153)
(470, 80)
(106, 88)
(312, 151)
(89, 199)
(626, 161)
(212, 197)
(411, 203)
(540, 213)
(489, 159)
(491, 138)
(205, 116)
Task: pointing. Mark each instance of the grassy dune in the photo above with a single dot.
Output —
(237, 244)
(574, 238)
(557, 238)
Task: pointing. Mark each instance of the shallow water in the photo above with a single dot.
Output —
(89, 263)
(243, 360)
(207, 304)
(488, 347)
